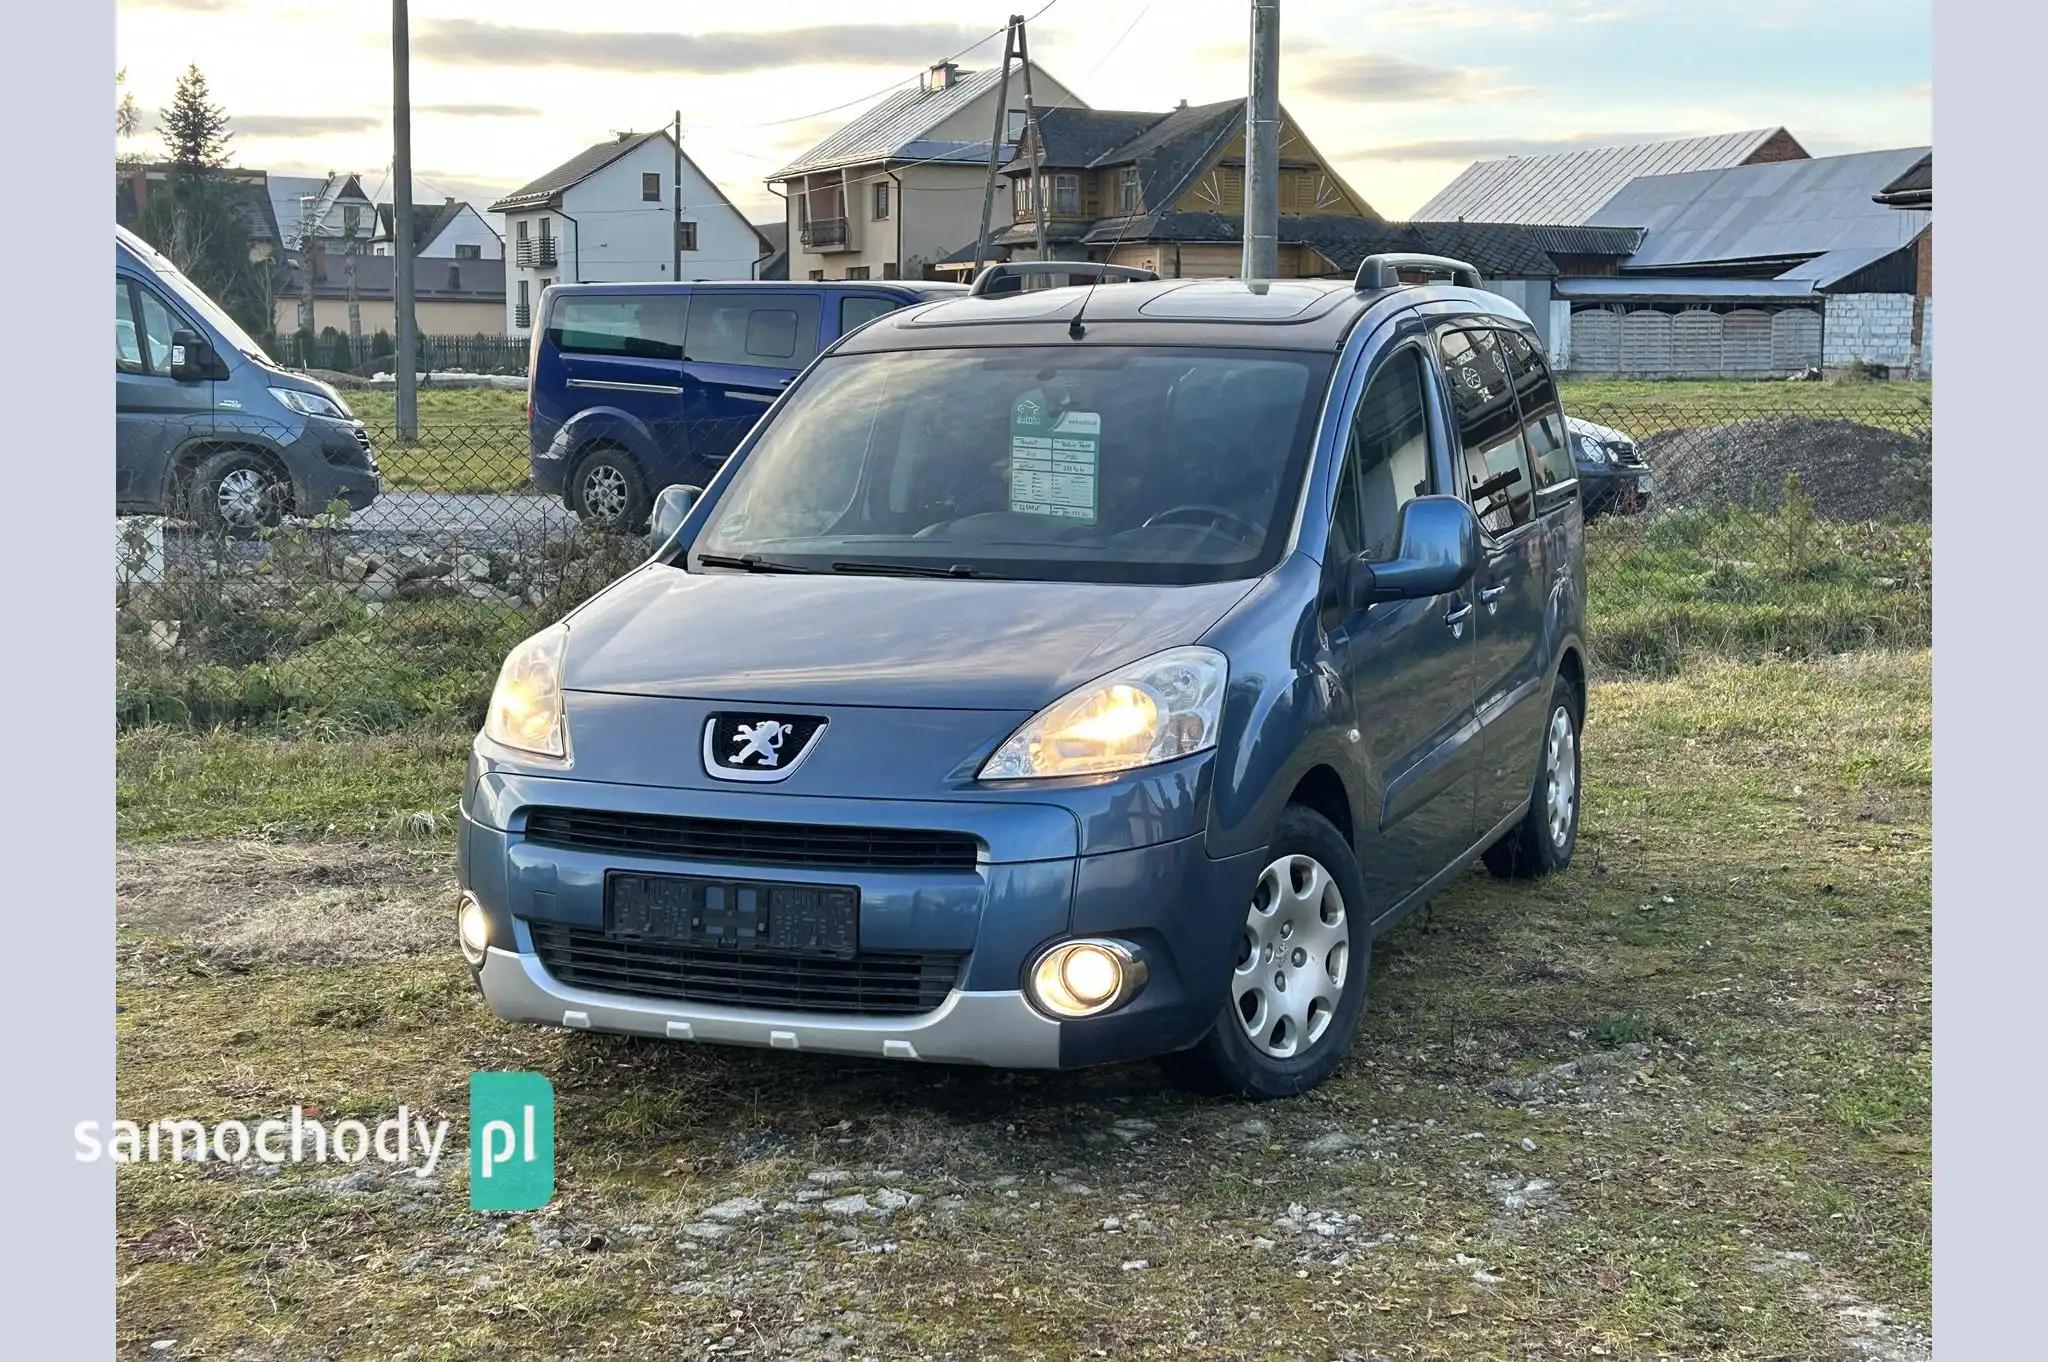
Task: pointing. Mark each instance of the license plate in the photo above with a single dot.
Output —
(1646, 483)
(695, 910)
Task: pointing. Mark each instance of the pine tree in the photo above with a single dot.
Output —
(195, 128)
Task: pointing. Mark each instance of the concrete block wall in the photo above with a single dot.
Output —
(1876, 328)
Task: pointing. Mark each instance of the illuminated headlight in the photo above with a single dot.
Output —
(309, 403)
(1162, 707)
(473, 929)
(1083, 978)
(526, 704)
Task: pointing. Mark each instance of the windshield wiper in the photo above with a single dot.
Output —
(910, 569)
(747, 562)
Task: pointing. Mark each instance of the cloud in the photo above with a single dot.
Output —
(466, 42)
(1378, 78)
(1478, 14)
(478, 110)
(302, 125)
(200, 5)
(1490, 148)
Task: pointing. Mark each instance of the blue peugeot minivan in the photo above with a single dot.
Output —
(1069, 676)
(635, 387)
(209, 427)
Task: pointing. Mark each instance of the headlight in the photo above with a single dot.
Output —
(1165, 706)
(526, 704)
(309, 404)
(1593, 451)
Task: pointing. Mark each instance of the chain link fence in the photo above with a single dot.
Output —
(259, 593)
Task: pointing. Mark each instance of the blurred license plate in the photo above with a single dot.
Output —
(696, 910)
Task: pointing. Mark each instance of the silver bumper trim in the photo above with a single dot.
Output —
(999, 1029)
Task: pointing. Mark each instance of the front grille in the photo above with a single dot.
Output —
(872, 982)
(1625, 453)
(734, 842)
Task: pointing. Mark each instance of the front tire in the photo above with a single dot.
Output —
(1542, 843)
(238, 492)
(609, 492)
(1298, 989)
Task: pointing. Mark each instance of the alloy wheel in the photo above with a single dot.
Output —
(244, 497)
(1295, 957)
(1561, 775)
(604, 493)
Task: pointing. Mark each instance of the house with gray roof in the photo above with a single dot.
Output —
(1572, 186)
(900, 187)
(449, 230)
(608, 215)
(332, 208)
(1765, 269)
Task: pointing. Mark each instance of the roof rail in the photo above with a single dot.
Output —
(1009, 276)
(1376, 272)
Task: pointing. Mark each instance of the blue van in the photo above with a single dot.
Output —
(1056, 678)
(207, 426)
(635, 387)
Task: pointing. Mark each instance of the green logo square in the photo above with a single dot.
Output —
(511, 1141)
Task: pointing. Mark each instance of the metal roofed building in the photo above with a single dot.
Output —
(899, 187)
(1763, 269)
(1572, 186)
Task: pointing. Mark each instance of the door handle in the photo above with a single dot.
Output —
(1490, 594)
(1456, 617)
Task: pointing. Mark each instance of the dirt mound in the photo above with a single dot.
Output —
(1852, 471)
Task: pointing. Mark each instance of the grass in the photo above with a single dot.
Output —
(471, 439)
(1713, 1031)
(1649, 405)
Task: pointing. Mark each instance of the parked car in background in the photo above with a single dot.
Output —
(1072, 676)
(1612, 474)
(635, 387)
(208, 426)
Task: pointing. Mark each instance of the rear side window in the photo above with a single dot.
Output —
(854, 312)
(1386, 461)
(1489, 428)
(635, 328)
(1542, 417)
(779, 332)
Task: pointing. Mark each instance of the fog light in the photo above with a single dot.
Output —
(473, 928)
(1083, 978)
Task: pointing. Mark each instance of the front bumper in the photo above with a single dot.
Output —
(1617, 488)
(1181, 908)
(331, 463)
(997, 1028)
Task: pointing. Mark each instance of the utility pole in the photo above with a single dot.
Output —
(1262, 146)
(995, 144)
(305, 271)
(676, 228)
(1038, 204)
(408, 409)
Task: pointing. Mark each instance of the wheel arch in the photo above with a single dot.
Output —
(185, 463)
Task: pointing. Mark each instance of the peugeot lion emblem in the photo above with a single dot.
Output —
(758, 746)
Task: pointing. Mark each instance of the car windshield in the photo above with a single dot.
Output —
(1062, 463)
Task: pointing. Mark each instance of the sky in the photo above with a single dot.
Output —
(1399, 94)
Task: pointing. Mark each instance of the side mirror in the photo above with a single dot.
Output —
(671, 506)
(192, 357)
(1438, 553)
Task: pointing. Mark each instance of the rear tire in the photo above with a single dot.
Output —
(609, 492)
(1296, 995)
(238, 492)
(1542, 843)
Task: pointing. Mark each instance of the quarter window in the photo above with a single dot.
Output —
(1386, 462)
(1542, 418)
(1489, 429)
(635, 328)
(855, 312)
(157, 324)
(782, 332)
